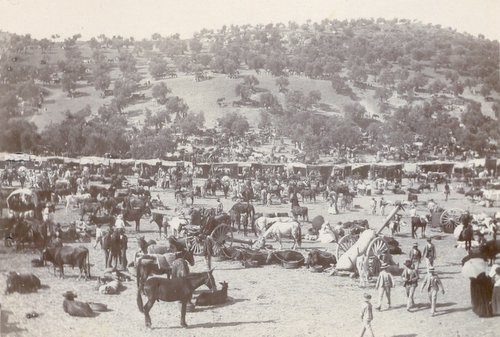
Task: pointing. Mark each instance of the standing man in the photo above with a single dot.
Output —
(123, 249)
(433, 284)
(415, 257)
(220, 207)
(366, 315)
(446, 190)
(383, 203)
(410, 282)
(373, 205)
(429, 253)
(384, 284)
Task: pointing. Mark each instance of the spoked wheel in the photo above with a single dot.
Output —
(449, 219)
(377, 247)
(345, 243)
(196, 244)
(222, 237)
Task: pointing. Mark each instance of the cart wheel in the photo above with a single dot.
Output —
(345, 243)
(196, 245)
(222, 237)
(377, 247)
(449, 219)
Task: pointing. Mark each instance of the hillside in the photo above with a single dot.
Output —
(362, 71)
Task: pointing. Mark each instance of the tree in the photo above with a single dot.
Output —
(68, 82)
(251, 81)
(382, 94)
(191, 124)
(234, 123)
(19, 136)
(160, 92)
(244, 91)
(282, 82)
(195, 45)
(354, 111)
(436, 86)
(158, 67)
(178, 106)
(268, 100)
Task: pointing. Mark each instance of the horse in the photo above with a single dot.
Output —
(181, 196)
(143, 244)
(90, 207)
(467, 236)
(77, 199)
(240, 208)
(417, 222)
(135, 214)
(161, 221)
(308, 194)
(171, 290)
(289, 228)
(302, 211)
(263, 222)
(159, 264)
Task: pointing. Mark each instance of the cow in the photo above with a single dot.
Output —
(76, 308)
(324, 259)
(22, 283)
(213, 298)
(73, 256)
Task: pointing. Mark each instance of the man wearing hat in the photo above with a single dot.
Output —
(384, 284)
(410, 282)
(415, 257)
(429, 253)
(433, 284)
(366, 315)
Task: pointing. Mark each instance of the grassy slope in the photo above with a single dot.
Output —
(202, 96)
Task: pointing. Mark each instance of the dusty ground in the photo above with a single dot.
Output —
(267, 301)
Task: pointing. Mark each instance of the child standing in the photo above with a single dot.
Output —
(98, 236)
(433, 284)
(384, 284)
(366, 315)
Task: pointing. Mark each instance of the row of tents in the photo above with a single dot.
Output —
(238, 169)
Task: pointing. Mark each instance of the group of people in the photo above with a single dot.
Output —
(381, 204)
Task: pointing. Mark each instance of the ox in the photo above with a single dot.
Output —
(319, 258)
(213, 298)
(73, 256)
(76, 308)
(22, 283)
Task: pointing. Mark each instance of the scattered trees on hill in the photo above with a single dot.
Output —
(234, 123)
(158, 67)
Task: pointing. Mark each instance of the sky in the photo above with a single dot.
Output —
(142, 18)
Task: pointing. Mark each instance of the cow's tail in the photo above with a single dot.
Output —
(88, 264)
(138, 267)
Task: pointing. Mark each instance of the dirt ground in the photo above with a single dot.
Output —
(267, 301)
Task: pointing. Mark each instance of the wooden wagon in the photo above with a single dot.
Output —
(376, 247)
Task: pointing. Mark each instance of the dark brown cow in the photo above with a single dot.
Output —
(319, 258)
(22, 283)
(73, 256)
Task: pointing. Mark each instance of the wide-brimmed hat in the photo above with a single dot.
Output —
(69, 294)
(408, 263)
(415, 244)
(367, 296)
(431, 269)
(429, 239)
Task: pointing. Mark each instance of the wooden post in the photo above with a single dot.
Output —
(399, 206)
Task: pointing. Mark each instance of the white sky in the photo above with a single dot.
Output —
(142, 18)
